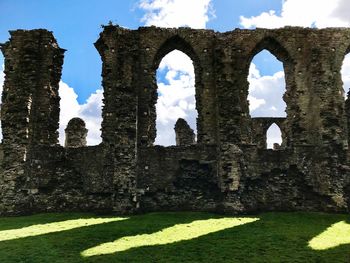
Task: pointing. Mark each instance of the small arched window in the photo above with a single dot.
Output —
(273, 137)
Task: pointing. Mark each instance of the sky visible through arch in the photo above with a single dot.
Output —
(77, 24)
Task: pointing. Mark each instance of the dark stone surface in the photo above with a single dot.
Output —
(228, 169)
(75, 133)
(184, 135)
(261, 125)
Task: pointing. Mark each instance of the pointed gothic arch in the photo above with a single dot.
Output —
(274, 136)
(147, 113)
(273, 46)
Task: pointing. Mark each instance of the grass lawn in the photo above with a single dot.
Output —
(176, 237)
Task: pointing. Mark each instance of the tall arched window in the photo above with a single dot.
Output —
(345, 74)
(267, 86)
(273, 137)
(176, 95)
(2, 80)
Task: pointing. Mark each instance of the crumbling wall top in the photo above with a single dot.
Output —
(76, 133)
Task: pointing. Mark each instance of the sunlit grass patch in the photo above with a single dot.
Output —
(41, 229)
(177, 237)
(337, 234)
(179, 232)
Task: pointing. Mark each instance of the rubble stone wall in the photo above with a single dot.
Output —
(228, 169)
(184, 135)
(75, 133)
(30, 108)
(178, 178)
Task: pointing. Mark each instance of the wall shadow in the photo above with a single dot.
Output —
(276, 237)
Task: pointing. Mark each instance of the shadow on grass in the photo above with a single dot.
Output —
(276, 237)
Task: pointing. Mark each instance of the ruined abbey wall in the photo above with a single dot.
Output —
(228, 168)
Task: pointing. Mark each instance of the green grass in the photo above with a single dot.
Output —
(176, 237)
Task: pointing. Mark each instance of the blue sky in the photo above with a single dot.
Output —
(76, 24)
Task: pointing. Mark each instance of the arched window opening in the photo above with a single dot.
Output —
(90, 112)
(2, 80)
(345, 75)
(176, 96)
(267, 86)
(273, 137)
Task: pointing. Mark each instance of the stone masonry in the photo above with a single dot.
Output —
(184, 135)
(75, 133)
(228, 168)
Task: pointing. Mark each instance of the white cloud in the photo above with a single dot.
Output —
(345, 73)
(254, 72)
(176, 97)
(176, 13)
(176, 91)
(90, 112)
(2, 80)
(265, 93)
(70, 108)
(255, 103)
(342, 11)
(310, 13)
(177, 61)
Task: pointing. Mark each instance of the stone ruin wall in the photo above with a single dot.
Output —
(228, 168)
